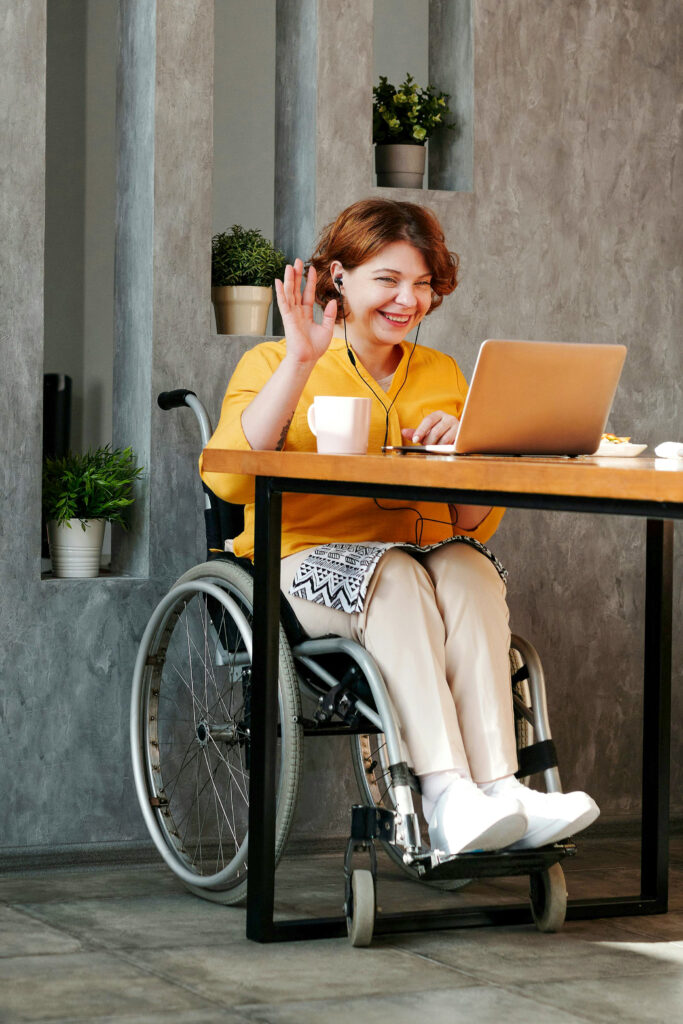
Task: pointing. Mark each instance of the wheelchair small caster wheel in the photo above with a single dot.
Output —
(548, 893)
(360, 908)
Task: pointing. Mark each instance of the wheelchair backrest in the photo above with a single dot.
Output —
(222, 520)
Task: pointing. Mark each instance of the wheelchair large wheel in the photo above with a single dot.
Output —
(190, 730)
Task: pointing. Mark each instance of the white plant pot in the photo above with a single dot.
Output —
(241, 308)
(75, 552)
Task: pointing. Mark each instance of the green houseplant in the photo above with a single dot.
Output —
(244, 266)
(80, 494)
(403, 119)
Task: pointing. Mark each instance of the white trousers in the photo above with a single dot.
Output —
(438, 629)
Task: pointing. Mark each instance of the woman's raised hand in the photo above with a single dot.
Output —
(306, 340)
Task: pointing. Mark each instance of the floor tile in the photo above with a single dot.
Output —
(455, 1006)
(23, 935)
(249, 972)
(656, 927)
(394, 895)
(639, 1000)
(145, 923)
(321, 893)
(512, 956)
(85, 883)
(84, 987)
(217, 1015)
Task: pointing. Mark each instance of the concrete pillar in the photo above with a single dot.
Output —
(323, 122)
(22, 214)
(296, 45)
(67, 647)
(163, 254)
(134, 262)
(451, 70)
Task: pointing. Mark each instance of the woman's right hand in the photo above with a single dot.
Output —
(306, 340)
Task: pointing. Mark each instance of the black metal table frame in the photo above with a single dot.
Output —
(653, 897)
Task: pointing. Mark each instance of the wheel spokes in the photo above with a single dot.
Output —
(201, 727)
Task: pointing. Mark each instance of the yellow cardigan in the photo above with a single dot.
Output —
(434, 382)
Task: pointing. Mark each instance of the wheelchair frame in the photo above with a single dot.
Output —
(341, 710)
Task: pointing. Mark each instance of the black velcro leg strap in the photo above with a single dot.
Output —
(536, 758)
(518, 676)
(403, 775)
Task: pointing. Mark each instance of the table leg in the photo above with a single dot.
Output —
(262, 794)
(657, 711)
(263, 755)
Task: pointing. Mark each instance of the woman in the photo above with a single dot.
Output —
(413, 584)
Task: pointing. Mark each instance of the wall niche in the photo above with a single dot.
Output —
(433, 41)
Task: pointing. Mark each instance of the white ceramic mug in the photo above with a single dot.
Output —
(341, 425)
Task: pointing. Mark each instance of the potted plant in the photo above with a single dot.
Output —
(80, 494)
(244, 266)
(402, 121)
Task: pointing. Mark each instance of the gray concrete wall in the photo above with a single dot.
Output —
(451, 70)
(244, 115)
(81, 178)
(401, 40)
(67, 647)
(568, 233)
(80, 191)
(401, 43)
(100, 221)
(65, 175)
(22, 205)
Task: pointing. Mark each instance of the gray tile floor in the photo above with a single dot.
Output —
(126, 943)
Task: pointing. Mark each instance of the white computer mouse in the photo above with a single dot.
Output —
(669, 450)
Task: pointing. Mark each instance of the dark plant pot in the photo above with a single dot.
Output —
(400, 166)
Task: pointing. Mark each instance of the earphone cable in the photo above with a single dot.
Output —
(352, 360)
(421, 520)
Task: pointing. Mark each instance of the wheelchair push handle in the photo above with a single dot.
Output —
(173, 399)
(183, 396)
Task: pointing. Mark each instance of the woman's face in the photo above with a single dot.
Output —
(387, 296)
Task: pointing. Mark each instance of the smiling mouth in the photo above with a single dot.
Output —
(394, 318)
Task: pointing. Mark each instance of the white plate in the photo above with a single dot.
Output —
(625, 449)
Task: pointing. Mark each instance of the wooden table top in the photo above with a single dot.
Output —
(629, 479)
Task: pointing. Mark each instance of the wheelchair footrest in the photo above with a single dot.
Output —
(435, 866)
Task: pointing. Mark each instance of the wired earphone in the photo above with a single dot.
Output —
(421, 520)
(352, 359)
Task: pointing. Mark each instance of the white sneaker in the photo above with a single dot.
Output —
(551, 816)
(465, 820)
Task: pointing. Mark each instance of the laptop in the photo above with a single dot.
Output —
(538, 398)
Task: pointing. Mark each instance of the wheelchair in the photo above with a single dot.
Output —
(190, 739)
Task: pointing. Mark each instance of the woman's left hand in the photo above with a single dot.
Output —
(437, 428)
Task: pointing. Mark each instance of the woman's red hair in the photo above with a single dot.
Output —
(365, 228)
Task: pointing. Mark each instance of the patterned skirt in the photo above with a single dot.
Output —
(338, 575)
